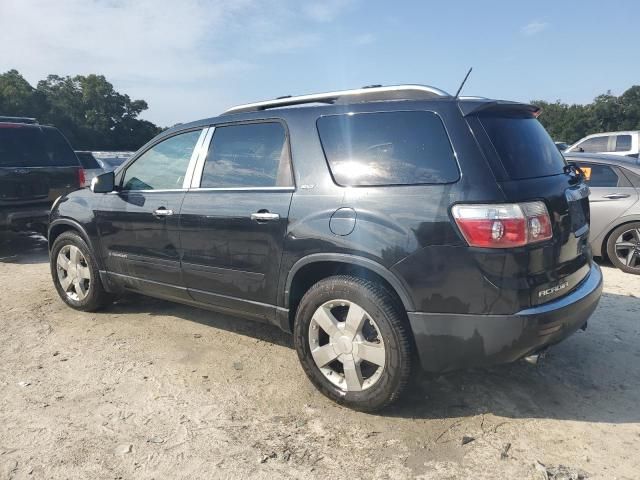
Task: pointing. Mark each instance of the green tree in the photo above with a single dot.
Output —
(17, 97)
(606, 113)
(87, 109)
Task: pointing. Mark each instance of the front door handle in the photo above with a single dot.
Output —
(264, 216)
(615, 196)
(162, 212)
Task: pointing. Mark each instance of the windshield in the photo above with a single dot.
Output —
(523, 145)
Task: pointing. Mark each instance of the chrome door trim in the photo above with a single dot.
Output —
(195, 156)
(202, 156)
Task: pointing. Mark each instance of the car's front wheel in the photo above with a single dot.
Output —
(353, 342)
(623, 247)
(75, 273)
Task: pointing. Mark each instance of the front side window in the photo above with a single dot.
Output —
(163, 166)
(387, 148)
(594, 145)
(248, 155)
(599, 175)
(623, 143)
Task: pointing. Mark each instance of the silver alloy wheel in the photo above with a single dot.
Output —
(628, 248)
(73, 272)
(346, 345)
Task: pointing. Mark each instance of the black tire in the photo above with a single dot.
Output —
(96, 297)
(389, 316)
(634, 238)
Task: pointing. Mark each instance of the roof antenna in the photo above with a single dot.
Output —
(463, 82)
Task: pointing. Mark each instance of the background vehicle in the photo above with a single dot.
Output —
(614, 143)
(91, 166)
(109, 161)
(562, 146)
(615, 209)
(37, 165)
(371, 224)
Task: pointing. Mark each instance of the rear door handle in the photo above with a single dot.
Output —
(264, 216)
(615, 196)
(162, 212)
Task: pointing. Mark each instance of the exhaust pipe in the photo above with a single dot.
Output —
(536, 358)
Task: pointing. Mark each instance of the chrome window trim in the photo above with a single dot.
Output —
(195, 155)
(163, 190)
(202, 156)
(242, 189)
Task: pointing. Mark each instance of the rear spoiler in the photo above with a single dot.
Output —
(468, 107)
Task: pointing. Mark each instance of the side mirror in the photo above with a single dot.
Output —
(103, 183)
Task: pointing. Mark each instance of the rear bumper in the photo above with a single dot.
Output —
(21, 217)
(451, 341)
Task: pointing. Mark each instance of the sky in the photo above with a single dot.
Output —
(191, 59)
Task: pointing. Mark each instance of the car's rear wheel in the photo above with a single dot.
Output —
(623, 247)
(76, 275)
(353, 342)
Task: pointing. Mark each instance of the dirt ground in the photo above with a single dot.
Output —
(150, 389)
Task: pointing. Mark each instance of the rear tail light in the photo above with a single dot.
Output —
(503, 225)
(81, 178)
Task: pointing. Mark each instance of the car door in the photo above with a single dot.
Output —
(611, 195)
(138, 223)
(234, 218)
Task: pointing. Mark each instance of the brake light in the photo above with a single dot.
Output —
(81, 178)
(503, 225)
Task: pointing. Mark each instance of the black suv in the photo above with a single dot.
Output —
(384, 227)
(37, 165)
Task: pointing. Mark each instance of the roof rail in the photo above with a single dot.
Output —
(6, 119)
(365, 94)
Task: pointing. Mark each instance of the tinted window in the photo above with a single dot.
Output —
(34, 147)
(163, 166)
(387, 148)
(87, 160)
(248, 155)
(523, 145)
(593, 145)
(623, 143)
(599, 175)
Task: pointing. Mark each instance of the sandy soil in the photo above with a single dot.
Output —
(149, 389)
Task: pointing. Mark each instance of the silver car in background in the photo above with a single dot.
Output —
(615, 208)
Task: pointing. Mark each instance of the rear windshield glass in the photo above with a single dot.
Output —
(387, 148)
(523, 145)
(87, 160)
(34, 147)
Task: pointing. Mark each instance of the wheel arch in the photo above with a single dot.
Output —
(605, 239)
(313, 268)
(59, 226)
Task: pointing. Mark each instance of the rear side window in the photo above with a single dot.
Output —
(599, 175)
(34, 147)
(594, 145)
(623, 143)
(523, 146)
(387, 148)
(248, 155)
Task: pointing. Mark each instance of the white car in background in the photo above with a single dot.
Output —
(614, 143)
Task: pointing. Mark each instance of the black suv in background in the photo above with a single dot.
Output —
(380, 226)
(37, 165)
